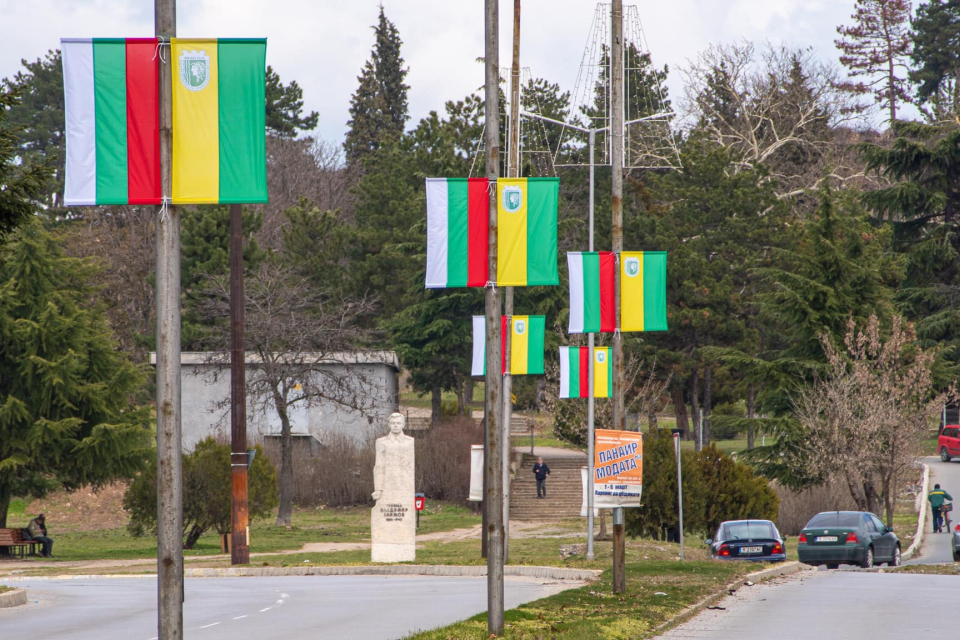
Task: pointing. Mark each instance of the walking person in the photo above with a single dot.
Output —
(37, 530)
(541, 471)
(937, 498)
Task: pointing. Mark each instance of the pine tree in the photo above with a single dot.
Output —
(378, 109)
(875, 48)
(66, 412)
(285, 117)
(22, 180)
(936, 57)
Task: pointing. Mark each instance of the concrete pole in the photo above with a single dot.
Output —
(493, 387)
(676, 447)
(592, 391)
(616, 138)
(239, 504)
(513, 171)
(169, 451)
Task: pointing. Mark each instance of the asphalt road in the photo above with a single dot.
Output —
(831, 605)
(342, 607)
(936, 546)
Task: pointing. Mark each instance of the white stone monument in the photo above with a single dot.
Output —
(393, 521)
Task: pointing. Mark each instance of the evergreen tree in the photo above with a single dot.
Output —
(285, 117)
(936, 56)
(875, 48)
(378, 109)
(22, 183)
(66, 413)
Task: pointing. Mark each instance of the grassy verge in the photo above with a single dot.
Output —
(4, 589)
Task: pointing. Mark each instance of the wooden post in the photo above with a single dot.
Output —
(239, 504)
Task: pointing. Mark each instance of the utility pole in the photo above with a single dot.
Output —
(169, 451)
(676, 447)
(513, 171)
(239, 458)
(616, 139)
(492, 391)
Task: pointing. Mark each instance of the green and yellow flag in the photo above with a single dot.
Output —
(643, 291)
(219, 121)
(527, 231)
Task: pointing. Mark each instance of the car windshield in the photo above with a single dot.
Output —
(748, 530)
(834, 519)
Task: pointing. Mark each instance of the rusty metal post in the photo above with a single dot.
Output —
(619, 374)
(493, 461)
(169, 447)
(239, 506)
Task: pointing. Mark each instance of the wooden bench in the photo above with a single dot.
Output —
(13, 540)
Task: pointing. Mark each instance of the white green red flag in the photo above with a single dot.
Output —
(574, 372)
(592, 287)
(458, 225)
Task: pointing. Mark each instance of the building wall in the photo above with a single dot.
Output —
(206, 409)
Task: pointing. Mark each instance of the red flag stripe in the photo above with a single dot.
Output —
(608, 270)
(143, 122)
(584, 372)
(478, 229)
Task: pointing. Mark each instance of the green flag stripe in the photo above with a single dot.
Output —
(537, 326)
(110, 104)
(573, 357)
(591, 292)
(458, 224)
(609, 373)
(542, 197)
(655, 290)
(241, 72)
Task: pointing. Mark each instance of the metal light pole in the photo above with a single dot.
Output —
(239, 459)
(493, 462)
(169, 451)
(676, 447)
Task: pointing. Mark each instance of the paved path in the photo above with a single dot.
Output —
(936, 546)
(343, 607)
(830, 605)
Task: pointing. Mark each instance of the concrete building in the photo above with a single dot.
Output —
(205, 392)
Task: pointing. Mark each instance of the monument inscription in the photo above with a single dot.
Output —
(392, 528)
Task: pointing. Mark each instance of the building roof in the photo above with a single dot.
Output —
(214, 358)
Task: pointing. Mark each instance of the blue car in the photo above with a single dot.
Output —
(756, 540)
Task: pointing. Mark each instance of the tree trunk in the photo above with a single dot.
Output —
(192, 537)
(680, 410)
(603, 535)
(468, 394)
(436, 406)
(856, 491)
(4, 504)
(707, 402)
(285, 513)
(889, 498)
(751, 414)
(652, 420)
(695, 407)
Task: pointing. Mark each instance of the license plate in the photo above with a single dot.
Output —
(744, 550)
(826, 538)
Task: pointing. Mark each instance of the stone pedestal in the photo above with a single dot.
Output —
(393, 521)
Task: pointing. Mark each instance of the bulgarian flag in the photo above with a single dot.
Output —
(526, 347)
(111, 101)
(574, 368)
(643, 291)
(592, 287)
(527, 231)
(457, 231)
(219, 120)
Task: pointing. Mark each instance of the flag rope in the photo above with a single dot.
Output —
(161, 42)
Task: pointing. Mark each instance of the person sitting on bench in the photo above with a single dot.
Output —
(37, 530)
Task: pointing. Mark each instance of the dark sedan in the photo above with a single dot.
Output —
(756, 540)
(833, 538)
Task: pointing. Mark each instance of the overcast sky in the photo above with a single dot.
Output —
(323, 43)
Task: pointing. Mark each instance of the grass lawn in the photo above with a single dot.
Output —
(3, 588)
(730, 446)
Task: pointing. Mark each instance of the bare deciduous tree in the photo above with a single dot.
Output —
(297, 342)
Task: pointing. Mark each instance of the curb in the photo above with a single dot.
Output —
(921, 506)
(13, 598)
(456, 571)
(783, 569)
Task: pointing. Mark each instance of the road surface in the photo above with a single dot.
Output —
(343, 607)
(831, 605)
(936, 546)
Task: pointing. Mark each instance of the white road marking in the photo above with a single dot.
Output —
(283, 595)
(267, 609)
(210, 625)
(237, 618)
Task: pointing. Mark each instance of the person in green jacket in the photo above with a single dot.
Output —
(937, 498)
(37, 530)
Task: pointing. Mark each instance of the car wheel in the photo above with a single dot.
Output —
(897, 559)
(944, 456)
(867, 559)
(832, 566)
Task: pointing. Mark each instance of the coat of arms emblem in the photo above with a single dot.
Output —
(601, 356)
(195, 70)
(512, 199)
(632, 267)
(520, 326)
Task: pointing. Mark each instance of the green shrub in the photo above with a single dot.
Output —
(725, 420)
(206, 492)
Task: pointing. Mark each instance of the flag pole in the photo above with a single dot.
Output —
(239, 458)
(591, 390)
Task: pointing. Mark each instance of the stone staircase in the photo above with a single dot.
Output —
(564, 493)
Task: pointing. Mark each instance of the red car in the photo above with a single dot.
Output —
(949, 442)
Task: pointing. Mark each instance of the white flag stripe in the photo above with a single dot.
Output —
(80, 187)
(564, 372)
(575, 267)
(479, 346)
(438, 217)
